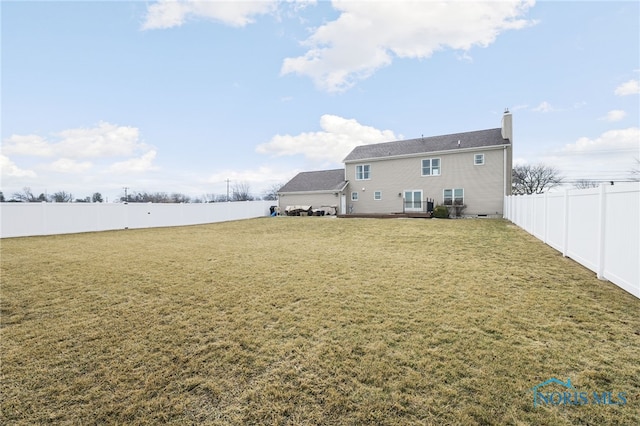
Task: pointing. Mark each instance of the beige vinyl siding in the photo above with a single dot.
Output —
(483, 184)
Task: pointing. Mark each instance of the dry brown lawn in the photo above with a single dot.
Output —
(309, 321)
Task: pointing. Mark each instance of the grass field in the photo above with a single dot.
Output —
(310, 321)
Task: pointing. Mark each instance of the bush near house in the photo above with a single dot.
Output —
(441, 212)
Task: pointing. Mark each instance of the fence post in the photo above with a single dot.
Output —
(602, 209)
(545, 215)
(565, 227)
(45, 219)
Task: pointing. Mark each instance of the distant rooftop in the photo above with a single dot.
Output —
(322, 180)
(475, 139)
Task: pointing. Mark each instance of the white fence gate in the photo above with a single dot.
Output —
(597, 227)
(26, 219)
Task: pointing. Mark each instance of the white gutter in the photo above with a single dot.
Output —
(430, 153)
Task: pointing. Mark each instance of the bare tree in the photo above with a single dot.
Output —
(26, 196)
(62, 197)
(534, 179)
(176, 197)
(208, 198)
(272, 192)
(157, 197)
(240, 192)
(585, 183)
(96, 197)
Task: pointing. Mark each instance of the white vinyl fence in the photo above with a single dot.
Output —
(27, 219)
(597, 227)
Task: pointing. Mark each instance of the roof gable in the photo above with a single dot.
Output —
(475, 139)
(322, 180)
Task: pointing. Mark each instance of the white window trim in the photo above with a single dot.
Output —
(356, 196)
(363, 166)
(475, 163)
(431, 166)
(374, 195)
(453, 196)
(413, 192)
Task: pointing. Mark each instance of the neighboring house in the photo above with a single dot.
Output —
(317, 189)
(470, 171)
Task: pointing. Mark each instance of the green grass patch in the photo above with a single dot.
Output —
(309, 321)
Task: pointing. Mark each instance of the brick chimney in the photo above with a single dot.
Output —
(507, 126)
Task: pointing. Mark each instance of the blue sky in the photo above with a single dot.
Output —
(180, 96)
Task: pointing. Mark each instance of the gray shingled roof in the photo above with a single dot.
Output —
(323, 180)
(476, 139)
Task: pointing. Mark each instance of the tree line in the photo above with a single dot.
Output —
(238, 192)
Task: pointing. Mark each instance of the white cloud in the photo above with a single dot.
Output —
(337, 138)
(174, 13)
(367, 35)
(610, 156)
(544, 107)
(258, 179)
(103, 140)
(614, 115)
(520, 161)
(135, 165)
(631, 87)
(32, 145)
(77, 159)
(66, 165)
(609, 142)
(10, 169)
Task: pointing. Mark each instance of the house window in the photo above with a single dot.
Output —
(363, 172)
(453, 197)
(431, 167)
(478, 159)
(377, 195)
(354, 196)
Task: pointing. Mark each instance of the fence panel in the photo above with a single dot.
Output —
(583, 227)
(622, 239)
(555, 218)
(597, 227)
(27, 219)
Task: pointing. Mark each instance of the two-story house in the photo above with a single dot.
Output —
(470, 170)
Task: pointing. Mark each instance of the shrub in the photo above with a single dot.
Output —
(441, 212)
(459, 209)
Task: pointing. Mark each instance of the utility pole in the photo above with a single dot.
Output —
(126, 197)
(227, 188)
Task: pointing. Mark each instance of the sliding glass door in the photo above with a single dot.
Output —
(413, 200)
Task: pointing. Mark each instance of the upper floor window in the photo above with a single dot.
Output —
(478, 159)
(431, 167)
(363, 172)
